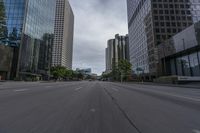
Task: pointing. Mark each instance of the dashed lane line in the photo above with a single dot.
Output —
(77, 89)
(21, 90)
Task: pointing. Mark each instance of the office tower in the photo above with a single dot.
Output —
(110, 54)
(24, 23)
(180, 55)
(11, 24)
(39, 21)
(151, 22)
(117, 49)
(63, 37)
(27, 34)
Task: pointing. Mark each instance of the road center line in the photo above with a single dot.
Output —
(196, 131)
(20, 90)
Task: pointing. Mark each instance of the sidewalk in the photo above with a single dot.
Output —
(188, 85)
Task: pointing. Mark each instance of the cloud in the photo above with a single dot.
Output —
(96, 21)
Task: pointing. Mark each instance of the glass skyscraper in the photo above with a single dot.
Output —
(117, 49)
(11, 21)
(12, 14)
(37, 33)
(26, 29)
(153, 21)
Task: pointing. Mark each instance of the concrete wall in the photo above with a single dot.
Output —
(6, 55)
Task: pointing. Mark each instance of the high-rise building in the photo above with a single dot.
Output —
(63, 39)
(27, 36)
(11, 29)
(117, 49)
(180, 55)
(151, 22)
(25, 25)
(38, 22)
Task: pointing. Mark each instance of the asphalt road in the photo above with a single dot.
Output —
(97, 107)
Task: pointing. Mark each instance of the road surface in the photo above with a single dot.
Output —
(97, 107)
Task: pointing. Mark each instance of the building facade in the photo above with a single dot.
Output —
(27, 29)
(38, 23)
(117, 49)
(12, 14)
(180, 55)
(150, 23)
(63, 39)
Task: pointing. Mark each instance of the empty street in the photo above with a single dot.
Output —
(97, 107)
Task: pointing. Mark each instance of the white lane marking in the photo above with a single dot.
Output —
(77, 89)
(196, 131)
(115, 89)
(169, 94)
(92, 110)
(48, 86)
(178, 96)
(189, 98)
(20, 90)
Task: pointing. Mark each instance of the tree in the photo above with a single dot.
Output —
(3, 27)
(58, 72)
(115, 74)
(68, 74)
(80, 76)
(124, 67)
(106, 76)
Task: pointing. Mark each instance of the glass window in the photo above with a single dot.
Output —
(194, 64)
(173, 67)
(11, 21)
(179, 67)
(186, 66)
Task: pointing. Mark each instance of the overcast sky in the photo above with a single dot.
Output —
(96, 21)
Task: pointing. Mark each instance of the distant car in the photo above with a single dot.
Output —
(90, 80)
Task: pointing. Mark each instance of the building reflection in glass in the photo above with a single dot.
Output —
(11, 25)
(23, 27)
(180, 54)
(39, 24)
(11, 21)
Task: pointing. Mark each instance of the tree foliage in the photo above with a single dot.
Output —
(120, 71)
(60, 72)
(124, 67)
(3, 28)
